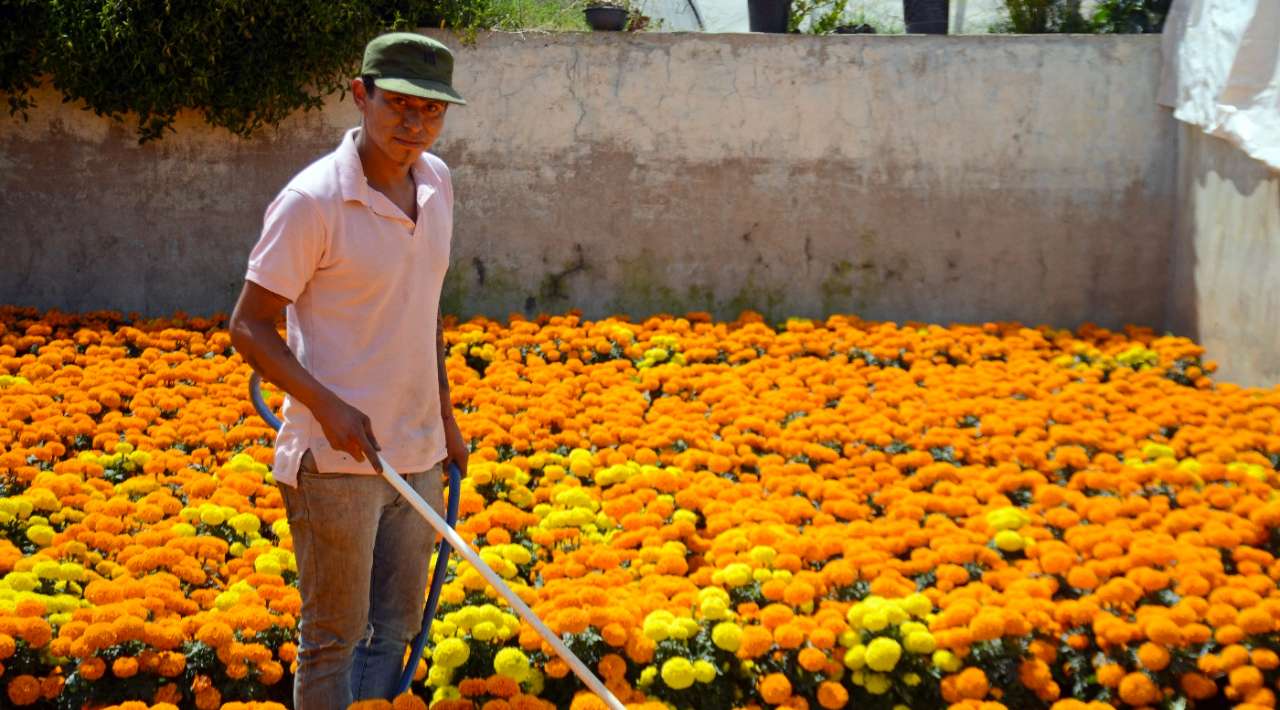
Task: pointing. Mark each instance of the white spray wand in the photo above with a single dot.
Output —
(579, 668)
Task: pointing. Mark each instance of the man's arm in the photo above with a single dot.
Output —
(254, 335)
(455, 444)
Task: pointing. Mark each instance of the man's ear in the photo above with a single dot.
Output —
(358, 92)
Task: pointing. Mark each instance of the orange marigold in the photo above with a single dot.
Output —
(1245, 679)
(408, 701)
(1198, 686)
(775, 688)
(1110, 675)
(972, 684)
(755, 641)
(23, 690)
(1137, 689)
(124, 667)
(1264, 658)
(1254, 621)
(812, 660)
(1162, 630)
(1153, 657)
(832, 695)
(988, 625)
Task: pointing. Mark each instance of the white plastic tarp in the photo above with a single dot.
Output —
(1222, 71)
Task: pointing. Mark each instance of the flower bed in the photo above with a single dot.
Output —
(825, 514)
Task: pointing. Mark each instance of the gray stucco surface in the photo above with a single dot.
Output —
(926, 178)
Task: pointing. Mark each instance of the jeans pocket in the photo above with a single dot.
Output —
(295, 503)
(295, 497)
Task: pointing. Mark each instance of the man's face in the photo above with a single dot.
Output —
(401, 126)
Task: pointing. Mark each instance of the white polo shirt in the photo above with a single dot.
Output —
(364, 284)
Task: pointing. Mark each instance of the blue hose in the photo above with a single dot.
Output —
(442, 555)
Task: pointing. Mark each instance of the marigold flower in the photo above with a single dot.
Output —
(775, 688)
(812, 659)
(23, 690)
(124, 667)
(972, 684)
(832, 695)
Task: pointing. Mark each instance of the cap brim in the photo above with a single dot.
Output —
(422, 88)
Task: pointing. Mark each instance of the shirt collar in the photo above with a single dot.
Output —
(355, 187)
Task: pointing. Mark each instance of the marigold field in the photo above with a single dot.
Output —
(716, 515)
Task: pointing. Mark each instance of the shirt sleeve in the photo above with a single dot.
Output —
(291, 247)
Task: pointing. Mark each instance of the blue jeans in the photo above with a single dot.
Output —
(362, 554)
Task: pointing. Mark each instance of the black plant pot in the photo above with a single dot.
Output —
(606, 18)
(927, 17)
(768, 15)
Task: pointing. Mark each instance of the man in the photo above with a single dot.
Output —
(355, 249)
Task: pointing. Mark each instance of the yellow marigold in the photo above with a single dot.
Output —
(704, 671)
(678, 673)
(883, 654)
(511, 662)
(877, 683)
(451, 653)
(727, 636)
(921, 642)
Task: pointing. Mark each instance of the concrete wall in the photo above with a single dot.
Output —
(941, 179)
(1226, 253)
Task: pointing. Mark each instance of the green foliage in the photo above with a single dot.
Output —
(24, 29)
(1108, 16)
(241, 65)
(1130, 16)
(538, 14)
(1042, 16)
(825, 17)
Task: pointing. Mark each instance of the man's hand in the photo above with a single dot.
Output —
(254, 335)
(349, 429)
(455, 444)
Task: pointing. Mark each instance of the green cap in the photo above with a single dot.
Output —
(412, 64)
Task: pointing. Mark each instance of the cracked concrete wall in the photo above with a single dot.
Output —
(926, 178)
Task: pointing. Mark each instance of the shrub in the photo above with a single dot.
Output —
(241, 65)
